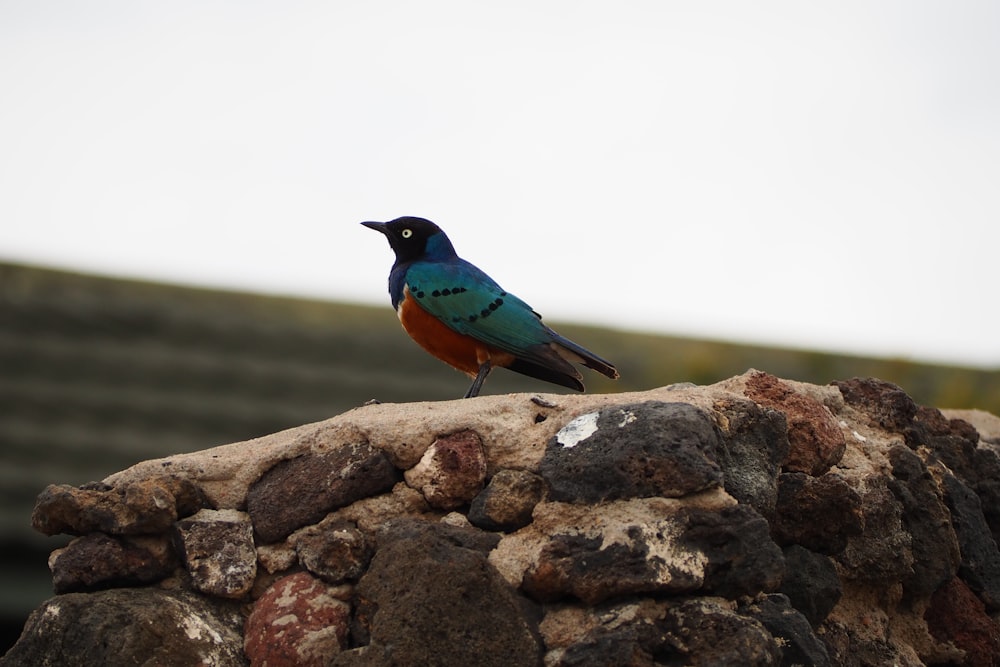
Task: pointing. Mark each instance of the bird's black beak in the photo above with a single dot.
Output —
(377, 226)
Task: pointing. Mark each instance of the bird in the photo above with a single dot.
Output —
(460, 315)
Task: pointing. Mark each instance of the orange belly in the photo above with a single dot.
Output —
(457, 350)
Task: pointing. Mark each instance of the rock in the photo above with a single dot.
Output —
(633, 451)
(507, 501)
(926, 518)
(640, 546)
(957, 616)
(709, 631)
(100, 561)
(297, 622)
(810, 583)
(218, 550)
(422, 603)
(754, 444)
(819, 513)
(886, 405)
(130, 626)
(980, 564)
(140, 508)
(301, 491)
(881, 554)
(795, 638)
(637, 529)
(335, 551)
(742, 559)
(815, 440)
(451, 472)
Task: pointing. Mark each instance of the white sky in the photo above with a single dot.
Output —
(819, 174)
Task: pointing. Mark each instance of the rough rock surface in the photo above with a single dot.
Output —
(756, 521)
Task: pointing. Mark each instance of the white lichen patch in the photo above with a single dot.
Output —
(577, 430)
(197, 629)
(627, 418)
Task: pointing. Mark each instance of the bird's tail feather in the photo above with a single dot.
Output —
(531, 369)
(570, 351)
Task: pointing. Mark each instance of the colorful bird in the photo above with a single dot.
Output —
(461, 316)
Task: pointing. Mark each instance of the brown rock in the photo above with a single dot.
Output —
(301, 491)
(507, 501)
(101, 561)
(451, 472)
(886, 405)
(334, 551)
(430, 597)
(218, 550)
(297, 622)
(708, 631)
(139, 508)
(815, 440)
(818, 513)
(956, 615)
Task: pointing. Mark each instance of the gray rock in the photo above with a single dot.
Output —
(754, 444)
(980, 565)
(880, 556)
(633, 451)
(810, 583)
(795, 638)
(218, 550)
(742, 558)
(934, 544)
(132, 626)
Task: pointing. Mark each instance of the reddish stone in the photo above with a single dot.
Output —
(451, 472)
(815, 440)
(297, 622)
(956, 615)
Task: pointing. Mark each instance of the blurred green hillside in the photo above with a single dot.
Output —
(98, 374)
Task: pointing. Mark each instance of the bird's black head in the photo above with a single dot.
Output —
(414, 238)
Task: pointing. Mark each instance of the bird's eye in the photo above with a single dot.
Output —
(406, 233)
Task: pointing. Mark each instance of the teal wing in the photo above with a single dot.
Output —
(470, 302)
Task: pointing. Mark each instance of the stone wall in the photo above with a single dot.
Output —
(756, 521)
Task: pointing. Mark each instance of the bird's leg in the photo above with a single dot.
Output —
(477, 384)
